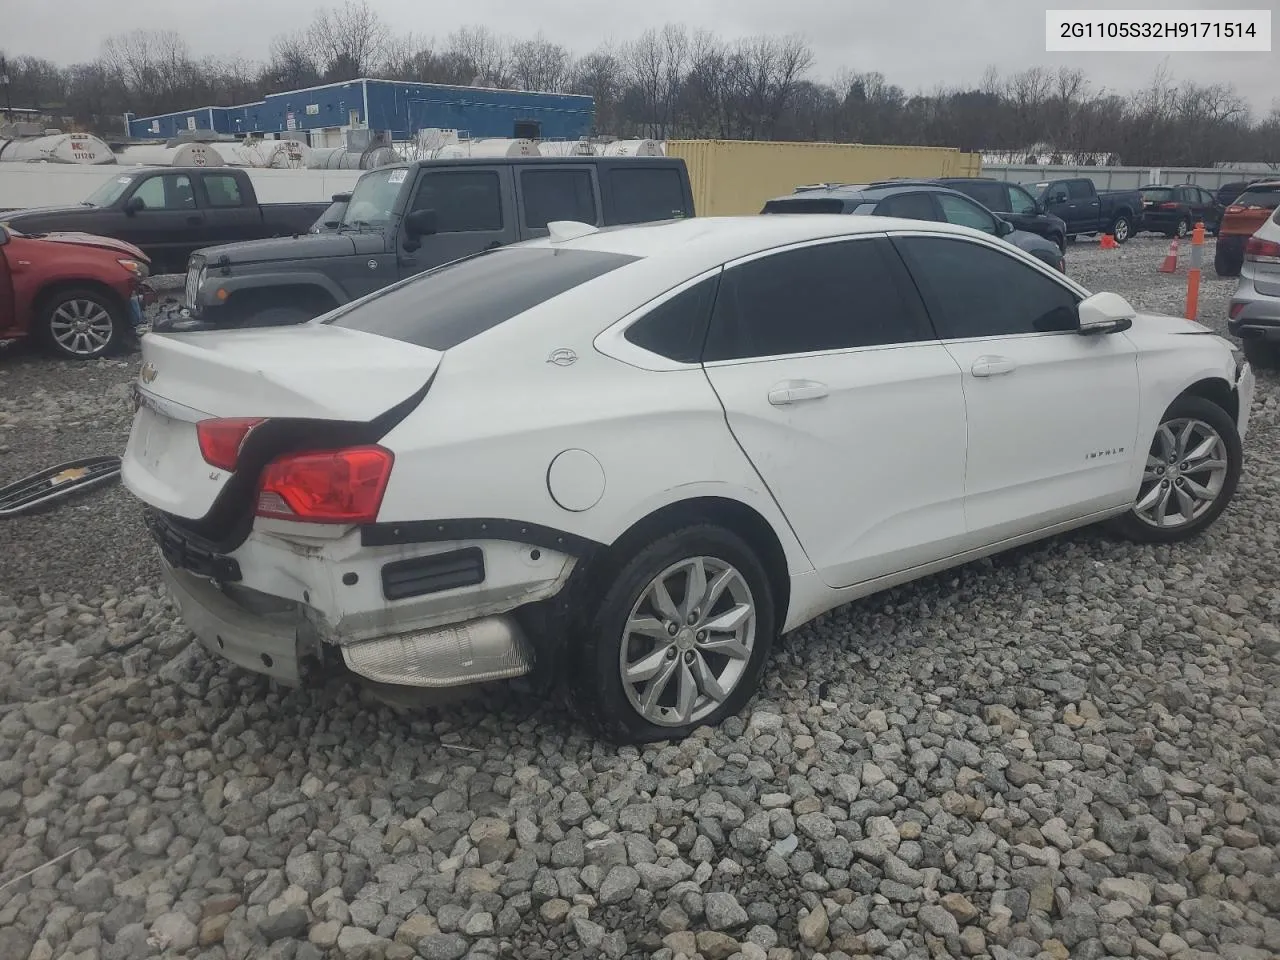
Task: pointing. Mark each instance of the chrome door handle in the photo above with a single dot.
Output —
(992, 366)
(793, 391)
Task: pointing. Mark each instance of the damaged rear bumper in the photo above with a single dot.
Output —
(278, 638)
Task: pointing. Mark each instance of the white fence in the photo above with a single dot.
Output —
(1121, 178)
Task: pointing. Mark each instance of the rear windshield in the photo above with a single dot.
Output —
(804, 206)
(453, 303)
(1267, 197)
(1157, 194)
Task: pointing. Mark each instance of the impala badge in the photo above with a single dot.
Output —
(148, 372)
(562, 357)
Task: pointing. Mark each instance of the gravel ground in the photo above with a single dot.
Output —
(1067, 751)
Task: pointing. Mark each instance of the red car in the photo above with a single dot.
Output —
(81, 295)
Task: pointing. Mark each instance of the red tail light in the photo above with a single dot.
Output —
(326, 486)
(1168, 206)
(1265, 250)
(221, 440)
(1235, 208)
(1235, 310)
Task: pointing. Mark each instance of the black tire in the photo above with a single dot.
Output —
(1225, 264)
(1133, 527)
(1262, 354)
(104, 321)
(1122, 228)
(594, 683)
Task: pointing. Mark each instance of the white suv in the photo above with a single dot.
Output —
(631, 457)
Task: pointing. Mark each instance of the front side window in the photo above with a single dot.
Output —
(465, 201)
(828, 296)
(972, 290)
(168, 192)
(443, 307)
(1020, 201)
(909, 206)
(551, 195)
(964, 213)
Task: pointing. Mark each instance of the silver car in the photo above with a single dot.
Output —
(1254, 314)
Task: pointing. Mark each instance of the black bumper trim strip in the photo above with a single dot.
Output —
(481, 528)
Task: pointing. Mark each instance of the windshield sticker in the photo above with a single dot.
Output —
(397, 176)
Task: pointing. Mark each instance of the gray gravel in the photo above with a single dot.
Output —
(1067, 751)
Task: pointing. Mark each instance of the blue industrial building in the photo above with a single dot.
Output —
(397, 107)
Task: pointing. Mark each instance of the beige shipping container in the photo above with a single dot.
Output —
(736, 177)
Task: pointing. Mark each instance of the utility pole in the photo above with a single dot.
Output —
(8, 94)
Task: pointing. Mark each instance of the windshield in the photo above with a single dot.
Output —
(373, 198)
(1157, 194)
(109, 192)
(1266, 197)
(443, 307)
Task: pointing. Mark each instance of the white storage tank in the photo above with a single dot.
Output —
(565, 148)
(284, 154)
(82, 148)
(488, 148)
(632, 148)
(340, 158)
(184, 155)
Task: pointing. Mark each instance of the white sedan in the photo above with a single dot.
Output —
(629, 458)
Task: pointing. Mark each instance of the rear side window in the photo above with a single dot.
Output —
(829, 296)
(222, 190)
(811, 205)
(446, 306)
(551, 195)
(1080, 190)
(990, 195)
(909, 206)
(465, 201)
(645, 194)
(676, 328)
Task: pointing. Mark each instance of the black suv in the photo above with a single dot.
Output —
(1010, 200)
(1174, 209)
(915, 200)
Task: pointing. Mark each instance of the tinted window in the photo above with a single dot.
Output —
(909, 206)
(1267, 197)
(557, 195)
(1157, 194)
(824, 297)
(676, 329)
(222, 190)
(169, 192)
(443, 307)
(1186, 195)
(465, 201)
(1206, 196)
(975, 291)
(811, 205)
(1080, 190)
(646, 193)
(965, 213)
(990, 195)
(1020, 201)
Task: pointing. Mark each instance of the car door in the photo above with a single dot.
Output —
(1052, 415)
(848, 406)
(228, 218)
(474, 208)
(1058, 202)
(169, 220)
(1212, 215)
(546, 193)
(8, 316)
(1084, 206)
(1023, 211)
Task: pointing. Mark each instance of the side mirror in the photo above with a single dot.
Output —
(1003, 228)
(1104, 313)
(1041, 209)
(420, 223)
(341, 198)
(135, 204)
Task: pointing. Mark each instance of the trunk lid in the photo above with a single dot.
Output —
(314, 385)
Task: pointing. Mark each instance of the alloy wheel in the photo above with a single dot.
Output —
(1121, 230)
(687, 641)
(1185, 474)
(81, 327)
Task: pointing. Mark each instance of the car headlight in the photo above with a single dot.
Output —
(136, 267)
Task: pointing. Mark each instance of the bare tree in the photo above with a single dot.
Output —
(538, 64)
(485, 54)
(347, 41)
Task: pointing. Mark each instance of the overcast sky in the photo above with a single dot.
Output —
(917, 44)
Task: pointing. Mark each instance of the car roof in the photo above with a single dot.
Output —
(705, 242)
(881, 190)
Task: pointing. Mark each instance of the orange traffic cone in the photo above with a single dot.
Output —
(1170, 264)
(1108, 242)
